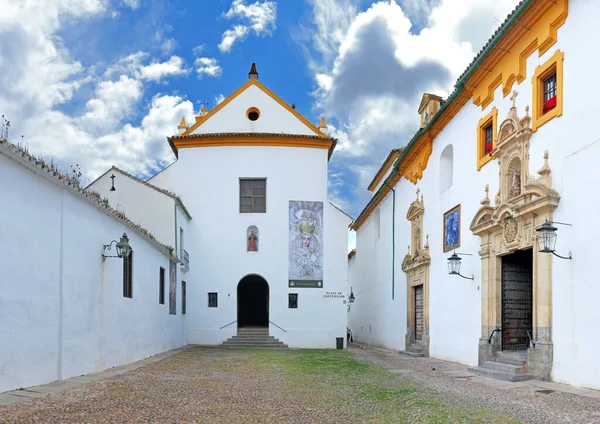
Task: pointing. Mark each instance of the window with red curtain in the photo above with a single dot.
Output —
(549, 93)
(488, 139)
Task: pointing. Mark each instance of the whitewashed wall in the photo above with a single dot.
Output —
(455, 303)
(62, 310)
(377, 319)
(151, 209)
(217, 234)
(273, 117)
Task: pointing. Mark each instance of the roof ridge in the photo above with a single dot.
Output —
(22, 156)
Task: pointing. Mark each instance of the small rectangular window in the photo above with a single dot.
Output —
(488, 139)
(128, 275)
(549, 101)
(253, 195)
(183, 299)
(293, 300)
(212, 300)
(161, 286)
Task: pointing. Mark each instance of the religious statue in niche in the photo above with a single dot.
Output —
(452, 229)
(252, 238)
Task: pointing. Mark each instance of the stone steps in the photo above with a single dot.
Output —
(499, 375)
(254, 337)
(414, 351)
(508, 366)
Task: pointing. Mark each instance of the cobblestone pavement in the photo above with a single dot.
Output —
(212, 385)
(522, 401)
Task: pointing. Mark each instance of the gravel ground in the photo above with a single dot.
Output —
(211, 385)
(522, 401)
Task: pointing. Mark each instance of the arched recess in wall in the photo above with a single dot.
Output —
(446, 168)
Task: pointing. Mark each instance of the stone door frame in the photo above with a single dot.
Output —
(523, 203)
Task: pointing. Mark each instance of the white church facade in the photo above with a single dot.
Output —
(488, 181)
(236, 234)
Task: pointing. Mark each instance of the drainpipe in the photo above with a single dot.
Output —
(393, 238)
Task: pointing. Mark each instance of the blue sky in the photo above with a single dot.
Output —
(103, 82)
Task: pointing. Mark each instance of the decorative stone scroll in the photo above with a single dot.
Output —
(523, 203)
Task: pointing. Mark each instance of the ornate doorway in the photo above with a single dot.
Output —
(416, 266)
(516, 280)
(253, 302)
(517, 300)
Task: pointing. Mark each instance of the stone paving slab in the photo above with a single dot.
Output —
(15, 396)
(521, 400)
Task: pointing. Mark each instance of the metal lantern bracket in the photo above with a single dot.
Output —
(455, 269)
(122, 248)
(351, 298)
(547, 236)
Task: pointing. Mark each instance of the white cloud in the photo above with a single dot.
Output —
(167, 46)
(113, 101)
(134, 4)
(219, 98)
(258, 17)
(156, 71)
(44, 78)
(198, 49)
(372, 68)
(208, 66)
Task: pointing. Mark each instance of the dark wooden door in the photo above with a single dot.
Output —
(419, 313)
(517, 300)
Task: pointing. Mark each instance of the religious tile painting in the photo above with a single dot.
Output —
(452, 229)
(172, 288)
(306, 244)
(252, 239)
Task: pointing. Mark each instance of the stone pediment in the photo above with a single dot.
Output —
(413, 262)
(520, 195)
(416, 208)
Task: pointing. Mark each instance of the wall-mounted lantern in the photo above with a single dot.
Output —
(454, 266)
(351, 298)
(112, 177)
(546, 238)
(122, 247)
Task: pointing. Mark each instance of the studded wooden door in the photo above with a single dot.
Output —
(419, 312)
(517, 300)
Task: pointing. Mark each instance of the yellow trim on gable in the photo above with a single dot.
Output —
(266, 91)
(490, 118)
(236, 140)
(554, 64)
(538, 31)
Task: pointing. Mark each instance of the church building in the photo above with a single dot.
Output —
(234, 243)
(494, 197)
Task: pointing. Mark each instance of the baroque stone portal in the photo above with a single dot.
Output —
(522, 203)
(416, 266)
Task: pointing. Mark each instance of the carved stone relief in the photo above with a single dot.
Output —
(523, 203)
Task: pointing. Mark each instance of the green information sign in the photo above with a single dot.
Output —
(313, 284)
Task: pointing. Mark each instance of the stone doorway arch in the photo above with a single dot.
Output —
(253, 302)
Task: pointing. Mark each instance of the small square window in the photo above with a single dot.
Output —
(293, 300)
(212, 300)
(253, 195)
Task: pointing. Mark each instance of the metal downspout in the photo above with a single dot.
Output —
(393, 239)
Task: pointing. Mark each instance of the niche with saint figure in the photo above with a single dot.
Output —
(252, 239)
